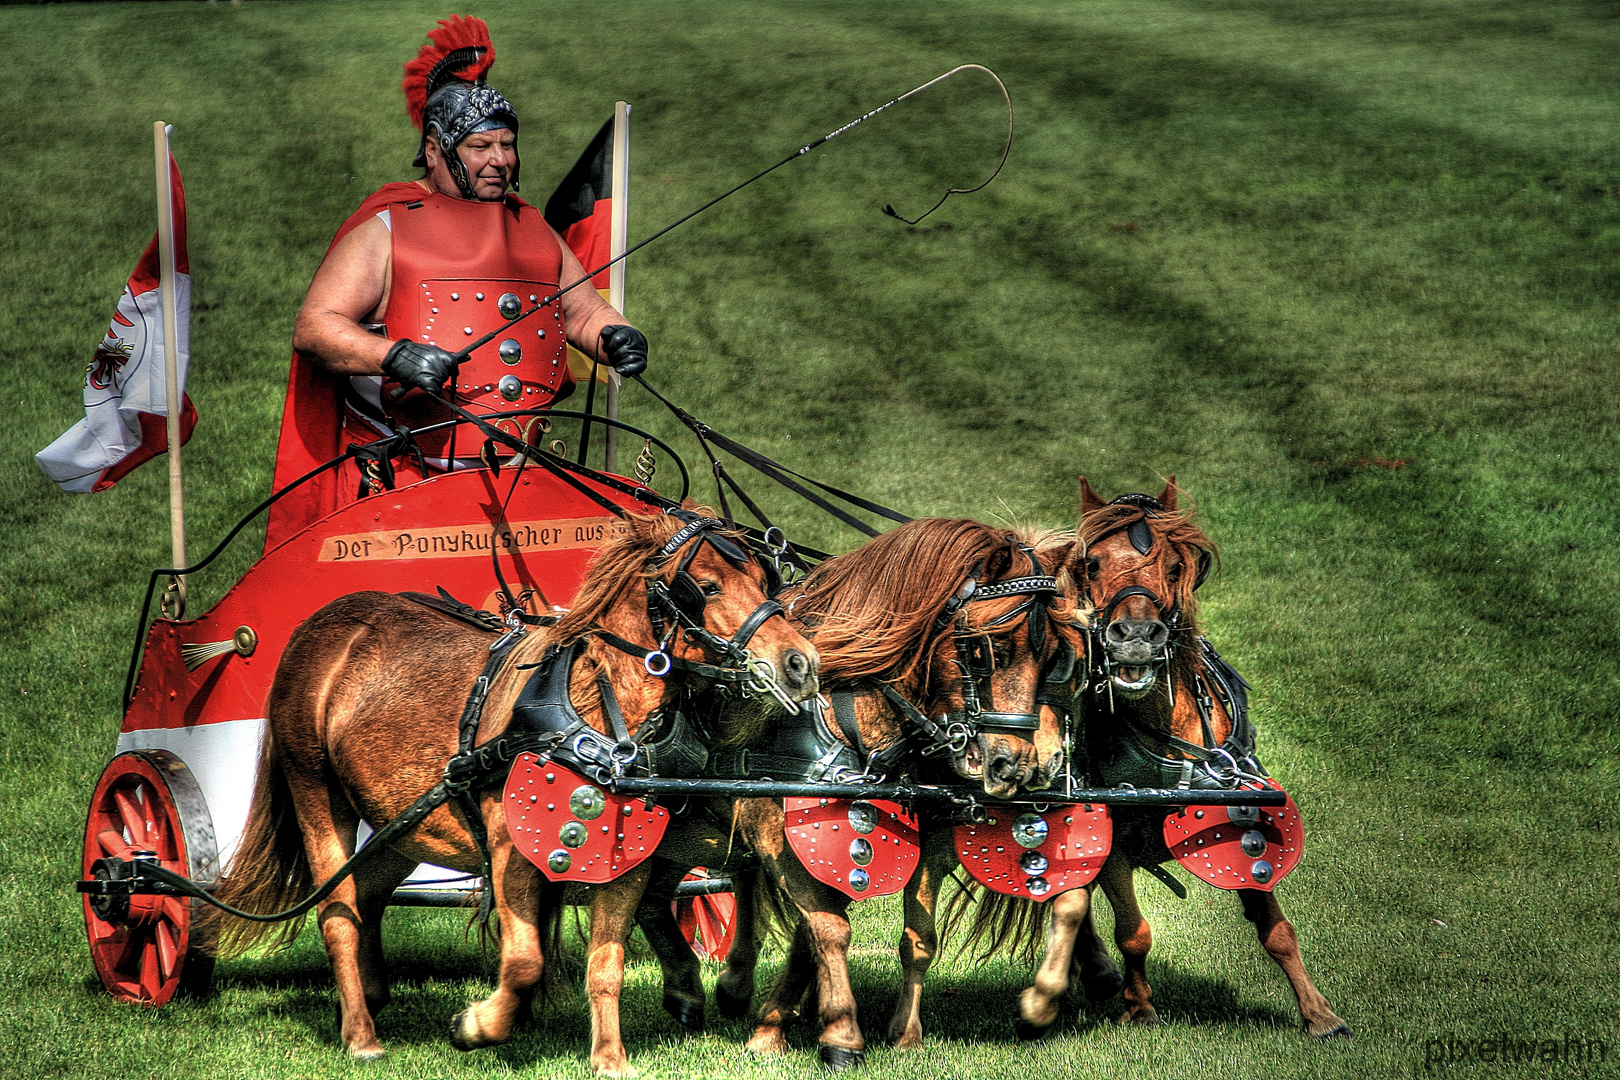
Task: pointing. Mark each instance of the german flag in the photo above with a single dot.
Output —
(581, 210)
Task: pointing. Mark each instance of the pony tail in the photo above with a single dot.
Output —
(1002, 924)
(559, 967)
(269, 872)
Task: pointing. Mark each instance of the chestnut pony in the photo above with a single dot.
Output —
(884, 613)
(919, 940)
(1140, 560)
(363, 716)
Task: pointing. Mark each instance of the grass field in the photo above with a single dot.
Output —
(1349, 270)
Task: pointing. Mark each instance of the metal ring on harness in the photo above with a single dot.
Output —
(659, 671)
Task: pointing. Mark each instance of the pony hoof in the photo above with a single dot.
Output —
(371, 1053)
(839, 1058)
(1028, 1032)
(688, 1013)
(464, 1032)
(1147, 1018)
(1102, 987)
(731, 1006)
(1342, 1031)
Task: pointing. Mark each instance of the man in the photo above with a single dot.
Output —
(422, 270)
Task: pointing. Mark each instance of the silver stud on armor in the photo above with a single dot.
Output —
(511, 352)
(509, 305)
(1030, 830)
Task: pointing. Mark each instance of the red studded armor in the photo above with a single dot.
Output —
(460, 270)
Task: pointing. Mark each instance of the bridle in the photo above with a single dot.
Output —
(954, 730)
(677, 606)
(1100, 663)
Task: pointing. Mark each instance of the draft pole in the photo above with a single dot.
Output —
(174, 597)
(618, 240)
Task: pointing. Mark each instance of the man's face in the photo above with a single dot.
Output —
(490, 158)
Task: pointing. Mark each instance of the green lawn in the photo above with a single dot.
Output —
(1347, 269)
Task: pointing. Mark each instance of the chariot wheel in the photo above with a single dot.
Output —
(708, 921)
(145, 948)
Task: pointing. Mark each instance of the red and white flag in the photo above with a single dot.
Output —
(126, 399)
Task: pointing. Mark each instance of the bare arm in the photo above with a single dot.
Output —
(584, 310)
(351, 284)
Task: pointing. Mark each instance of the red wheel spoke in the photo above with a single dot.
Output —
(150, 978)
(134, 820)
(126, 952)
(175, 909)
(112, 843)
(167, 953)
(718, 914)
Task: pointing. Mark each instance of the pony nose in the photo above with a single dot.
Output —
(1003, 767)
(1148, 631)
(797, 669)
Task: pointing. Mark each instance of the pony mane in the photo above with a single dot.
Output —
(616, 566)
(873, 611)
(1172, 529)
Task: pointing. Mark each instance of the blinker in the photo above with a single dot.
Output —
(1060, 668)
(687, 596)
(1205, 562)
(1141, 536)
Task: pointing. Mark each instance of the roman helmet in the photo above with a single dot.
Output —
(447, 97)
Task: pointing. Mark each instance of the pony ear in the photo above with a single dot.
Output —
(1056, 557)
(1168, 499)
(689, 503)
(1089, 499)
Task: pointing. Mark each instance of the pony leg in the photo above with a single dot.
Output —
(329, 840)
(841, 1045)
(1038, 1006)
(375, 885)
(683, 981)
(1134, 937)
(734, 990)
(1093, 968)
(519, 891)
(613, 915)
(782, 1005)
(1277, 935)
(919, 940)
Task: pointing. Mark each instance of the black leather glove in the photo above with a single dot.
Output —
(424, 367)
(625, 349)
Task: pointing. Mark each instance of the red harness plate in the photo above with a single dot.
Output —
(1037, 855)
(573, 830)
(861, 847)
(1237, 847)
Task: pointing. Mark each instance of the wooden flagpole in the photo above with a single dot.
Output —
(618, 240)
(174, 602)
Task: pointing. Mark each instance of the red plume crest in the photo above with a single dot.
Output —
(452, 34)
